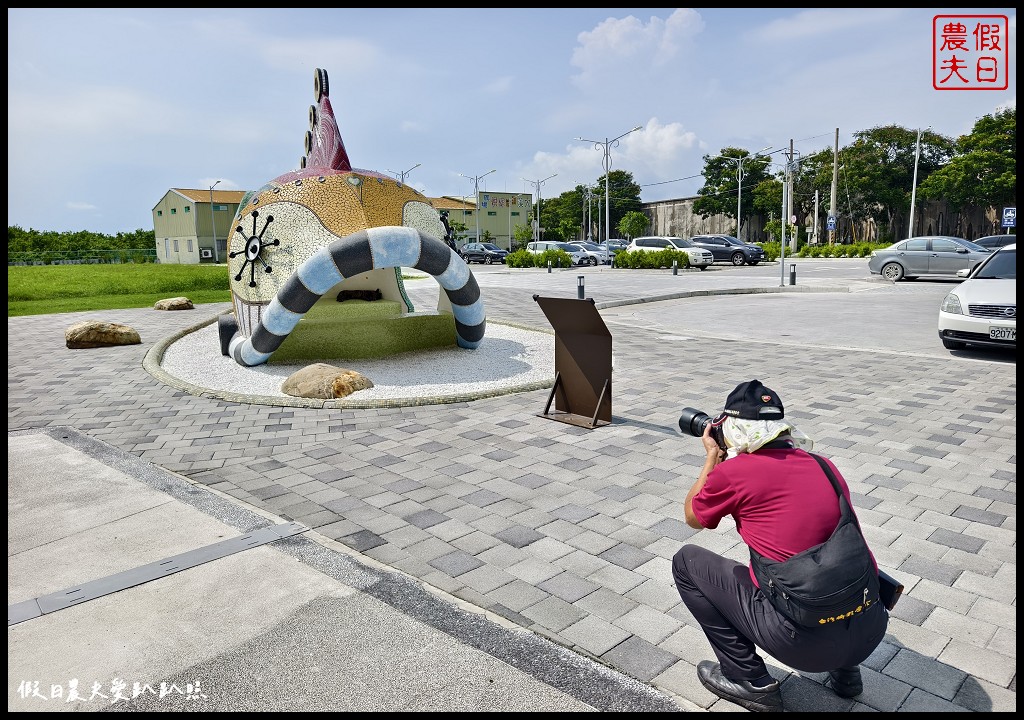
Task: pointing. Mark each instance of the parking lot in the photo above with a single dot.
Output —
(568, 532)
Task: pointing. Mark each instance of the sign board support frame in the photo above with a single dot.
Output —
(583, 363)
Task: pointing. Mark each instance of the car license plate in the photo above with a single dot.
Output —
(1003, 333)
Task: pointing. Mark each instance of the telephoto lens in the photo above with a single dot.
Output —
(692, 422)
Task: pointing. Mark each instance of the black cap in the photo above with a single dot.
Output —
(753, 401)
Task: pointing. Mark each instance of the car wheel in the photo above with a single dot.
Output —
(737, 258)
(703, 268)
(952, 344)
(488, 260)
(892, 271)
(465, 259)
(593, 261)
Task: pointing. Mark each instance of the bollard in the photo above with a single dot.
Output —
(675, 267)
(792, 274)
(579, 287)
(549, 266)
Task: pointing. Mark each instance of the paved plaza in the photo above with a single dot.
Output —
(474, 555)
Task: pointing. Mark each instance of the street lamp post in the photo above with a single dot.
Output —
(536, 223)
(213, 223)
(606, 145)
(739, 181)
(913, 192)
(401, 175)
(590, 234)
(476, 191)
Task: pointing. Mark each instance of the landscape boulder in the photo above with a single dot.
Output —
(95, 333)
(324, 382)
(178, 303)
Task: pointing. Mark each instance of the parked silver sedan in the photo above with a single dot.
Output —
(926, 255)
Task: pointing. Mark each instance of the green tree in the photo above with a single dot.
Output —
(984, 169)
(721, 182)
(459, 230)
(521, 235)
(633, 224)
(569, 208)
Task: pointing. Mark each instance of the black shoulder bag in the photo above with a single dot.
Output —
(833, 581)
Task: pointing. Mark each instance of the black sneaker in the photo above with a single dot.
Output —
(755, 699)
(846, 682)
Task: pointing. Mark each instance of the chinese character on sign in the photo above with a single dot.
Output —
(970, 52)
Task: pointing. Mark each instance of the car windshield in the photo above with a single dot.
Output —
(679, 242)
(1001, 266)
(974, 246)
(570, 248)
(489, 246)
(733, 241)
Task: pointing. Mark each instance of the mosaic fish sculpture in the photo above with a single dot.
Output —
(325, 228)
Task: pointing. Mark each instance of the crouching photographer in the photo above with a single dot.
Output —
(793, 511)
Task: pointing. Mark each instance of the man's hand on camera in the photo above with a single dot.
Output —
(711, 446)
(714, 456)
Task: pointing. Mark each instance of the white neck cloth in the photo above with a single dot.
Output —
(750, 435)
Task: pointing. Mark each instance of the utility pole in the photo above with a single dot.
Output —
(835, 186)
(785, 216)
(793, 240)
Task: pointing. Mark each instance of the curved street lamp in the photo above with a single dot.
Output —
(606, 145)
(537, 184)
(401, 175)
(739, 181)
(213, 223)
(913, 191)
(476, 191)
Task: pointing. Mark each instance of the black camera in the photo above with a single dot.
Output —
(694, 422)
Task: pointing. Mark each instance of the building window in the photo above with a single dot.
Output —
(189, 241)
(167, 248)
(491, 212)
(187, 209)
(159, 213)
(515, 213)
(174, 211)
(220, 207)
(175, 244)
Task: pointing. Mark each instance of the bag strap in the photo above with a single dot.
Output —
(844, 507)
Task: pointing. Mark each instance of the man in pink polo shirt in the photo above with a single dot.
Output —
(782, 504)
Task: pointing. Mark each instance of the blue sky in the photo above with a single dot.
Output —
(109, 108)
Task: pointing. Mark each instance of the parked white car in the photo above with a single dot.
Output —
(982, 310)
(597, 254)
(698, 257)
(579, 255)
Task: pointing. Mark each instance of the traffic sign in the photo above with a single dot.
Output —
(1010, 217)
(831, 223)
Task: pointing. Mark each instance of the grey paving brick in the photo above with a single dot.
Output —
(639, 658)
(626, 556)
(455, 563)
(568, 587)
(956, 540)
(982, 516)
(426, 518)
(553, 613)
(573, 513)
(594, 635)
(519, 536)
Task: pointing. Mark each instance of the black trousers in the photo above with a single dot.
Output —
(738, 618)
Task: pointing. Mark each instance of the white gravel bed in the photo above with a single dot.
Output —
(508, 357)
